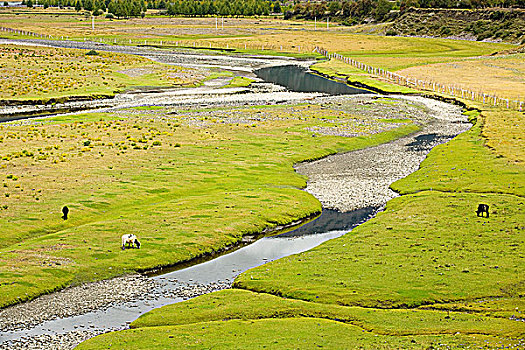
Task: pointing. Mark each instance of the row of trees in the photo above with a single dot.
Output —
(131, 8)
(221, 7)
(345, 10)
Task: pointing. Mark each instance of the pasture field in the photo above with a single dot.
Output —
(420, 58)
(391, 53)
(186, 182)
(336, 68)
(424, 273)
(40, 73)
(502, 75)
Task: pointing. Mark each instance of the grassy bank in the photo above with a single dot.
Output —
(186, 182)
(427, 272)
(357, 77)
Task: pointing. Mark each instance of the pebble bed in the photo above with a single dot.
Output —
(121, 291)
(359, 179)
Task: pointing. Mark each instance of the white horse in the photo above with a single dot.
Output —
(130, 240)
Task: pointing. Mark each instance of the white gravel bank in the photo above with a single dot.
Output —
(362, 178)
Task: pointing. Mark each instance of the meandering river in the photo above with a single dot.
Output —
(351, 186)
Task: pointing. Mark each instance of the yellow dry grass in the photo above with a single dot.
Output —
(504, 131)
(28, 72)
(503, 76)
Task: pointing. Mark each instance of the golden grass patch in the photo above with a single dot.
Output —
(39, 72)
(503, 76)
(504, 131)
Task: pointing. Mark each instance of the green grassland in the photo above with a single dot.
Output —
(187, 184)
(353, 76)
(281, 333)
(241, 304)
(424, 273)
(240, 82)
(427, 272)
(38, 73)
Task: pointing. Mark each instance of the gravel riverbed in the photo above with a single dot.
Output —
(362, 178)
(122, 292)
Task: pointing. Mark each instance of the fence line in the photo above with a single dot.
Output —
(205, 44)
(451, 90)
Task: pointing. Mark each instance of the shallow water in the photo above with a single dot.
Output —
(298, 79)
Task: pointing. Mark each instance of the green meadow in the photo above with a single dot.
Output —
(186, 182)
(426, 272)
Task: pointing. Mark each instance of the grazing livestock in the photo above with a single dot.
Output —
(130, 240)
(65, 211)
(482, 208)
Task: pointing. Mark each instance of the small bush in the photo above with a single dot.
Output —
(92, 53)
(445, 30)
(156, 143)
(485, 35)
(110, 16)
(391, 32)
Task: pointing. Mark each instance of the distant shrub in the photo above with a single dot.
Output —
(349, 22)
(445, 30)
(156, 143)
(177, 144)
(497, 15)
(92, 53)
(87, 143)
(391, 32)
(485, 35)
(110, 16)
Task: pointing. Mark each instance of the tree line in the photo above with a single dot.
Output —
(347, 11)
(135, 8)
(219, 7)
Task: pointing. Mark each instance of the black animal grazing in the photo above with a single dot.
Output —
(65, 211)
(482, 208)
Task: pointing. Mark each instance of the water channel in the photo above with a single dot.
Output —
(221, 271)
(298, 79)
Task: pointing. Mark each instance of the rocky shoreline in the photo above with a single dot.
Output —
(82, 300)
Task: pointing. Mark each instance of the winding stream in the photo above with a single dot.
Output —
(354, 185)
